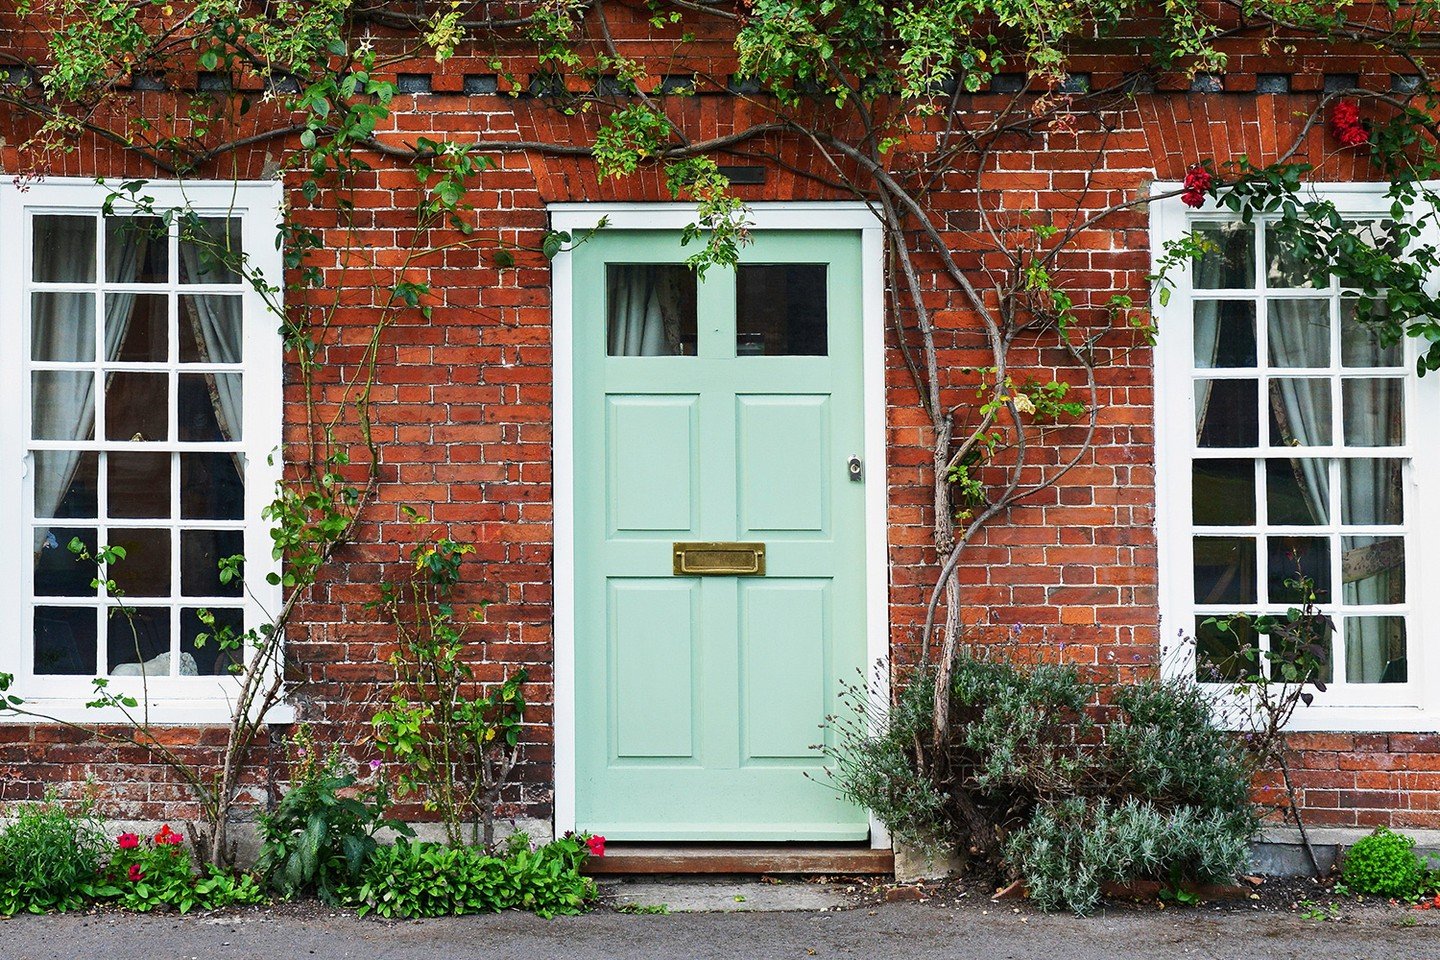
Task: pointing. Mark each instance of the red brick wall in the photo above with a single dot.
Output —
(462, 403)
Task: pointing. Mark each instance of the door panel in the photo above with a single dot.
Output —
(715, 410)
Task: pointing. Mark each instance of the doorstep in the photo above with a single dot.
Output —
(739, 859)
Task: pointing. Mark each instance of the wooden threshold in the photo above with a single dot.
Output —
(702, 858)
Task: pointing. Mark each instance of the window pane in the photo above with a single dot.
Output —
(1299, 332)
(1360, 344)
(140, 324)
(1373, 569)
(62, 327)
(1374, 412)
(208, 659)
(136, 406)
(145, 571)
(1375, 650)
(138, 644)
(1303, 642)
(1372, 492)
(62, 406)
(211, 407)
(66, 483)
(1292, 560)
(1224, 333)
(200, 554)
(1224, 570)
(1223, 492)
(65, 641)
(1300, 412)
(1226, 413)
(781, 310)
(59, 572)
(210, 250)
(210, 487)
(1287, 266)
(1230, 263)
(137, 250)
(1297, 492)
(64, 249)
(1224, 656)
(210, 329)
(139, 484)
(650, 310)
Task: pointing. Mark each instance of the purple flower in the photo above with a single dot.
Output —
(375, 765)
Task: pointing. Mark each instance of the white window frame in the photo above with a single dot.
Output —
(1412, 706)
(258, 205)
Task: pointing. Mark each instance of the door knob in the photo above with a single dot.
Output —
(856, 469)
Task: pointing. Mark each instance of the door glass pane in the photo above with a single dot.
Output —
(1373, 569)
(1226, 413)
(1229, 261)
(1224, 333)
(1299, 333)
(650, 310)
(64, 249)
(140, 323)
(1223, 492)
(781, 310)
(1300, 412)
(1297, 492)
(62, 327)
(1374, 412)
(1224, 570)
(1375, 650)
(65, 641)
(137, 250)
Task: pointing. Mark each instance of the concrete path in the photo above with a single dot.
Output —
(895, 931)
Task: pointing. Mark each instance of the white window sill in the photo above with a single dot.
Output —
(169, 712)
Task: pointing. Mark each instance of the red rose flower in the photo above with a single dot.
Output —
(1198, 182)
(168, 837)
(128, 841)
(1345, 124)
(596, 845)
(136, 874)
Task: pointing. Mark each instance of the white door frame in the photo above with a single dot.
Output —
(580, 217)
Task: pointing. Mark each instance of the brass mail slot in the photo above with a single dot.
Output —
(725, 558)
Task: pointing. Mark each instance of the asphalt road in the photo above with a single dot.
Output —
(891, 931)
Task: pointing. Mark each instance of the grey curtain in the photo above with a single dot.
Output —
(644, 311)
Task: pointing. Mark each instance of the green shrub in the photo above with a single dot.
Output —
(412, 880)
(322, 832)
(1041, 781)
(1385, 864)
(48, 858)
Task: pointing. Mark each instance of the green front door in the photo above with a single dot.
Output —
(723, 409)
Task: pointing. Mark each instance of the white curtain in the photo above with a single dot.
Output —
(64, 402)
(215, 321)
(1299, 333)
(644, 305)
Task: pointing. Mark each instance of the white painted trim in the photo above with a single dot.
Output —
(173, 700)
(580, 217)
(1173, 426)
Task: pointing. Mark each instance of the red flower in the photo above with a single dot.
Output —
(128, 841)
(168, 837)
(1345, 124)
(1198, 182)
(136, 874)
(596, 845)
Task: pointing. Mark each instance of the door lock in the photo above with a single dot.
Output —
(856, 469)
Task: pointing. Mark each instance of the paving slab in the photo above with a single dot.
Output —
(684, 895)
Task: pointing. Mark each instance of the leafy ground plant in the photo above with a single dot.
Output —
(151, 873)
(49, 858)
(1385, 864)
(411, 880)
